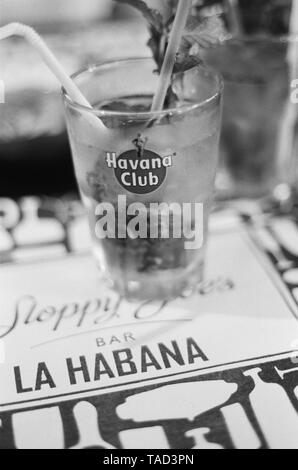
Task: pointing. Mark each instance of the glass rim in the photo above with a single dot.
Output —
(261, 37)
(143, 114)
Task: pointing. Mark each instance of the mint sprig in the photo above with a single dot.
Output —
(201, 32)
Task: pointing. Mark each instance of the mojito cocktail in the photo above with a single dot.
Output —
(256, 75)
(147, 178)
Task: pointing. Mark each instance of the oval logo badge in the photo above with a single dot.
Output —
(139, 171)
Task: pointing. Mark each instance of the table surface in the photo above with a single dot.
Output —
(230, 349)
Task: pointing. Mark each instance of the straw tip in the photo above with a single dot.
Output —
(12, 29)
(16, 27)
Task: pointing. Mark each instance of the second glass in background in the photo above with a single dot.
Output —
(256, 74)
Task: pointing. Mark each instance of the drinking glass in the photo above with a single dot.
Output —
(146, 178)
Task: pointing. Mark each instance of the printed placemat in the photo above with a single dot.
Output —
(82, 368)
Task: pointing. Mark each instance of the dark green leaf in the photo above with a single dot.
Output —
(201, 33)
(206, 32)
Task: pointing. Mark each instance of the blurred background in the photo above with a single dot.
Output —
(34, 151)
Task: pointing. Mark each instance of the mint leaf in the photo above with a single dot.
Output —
(204, 32)
(154, 17)
(157, 28)
(158, 43)
(201, 33)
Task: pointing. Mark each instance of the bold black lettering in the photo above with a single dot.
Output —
(148, 360)
(72, 371)
(18, 380)
(194, 351)
(126, 360)
(175, 354)
(102, 367)
(43, 377)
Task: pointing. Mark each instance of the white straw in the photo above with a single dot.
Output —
(18, 29)
(170, 57)
(286, 158)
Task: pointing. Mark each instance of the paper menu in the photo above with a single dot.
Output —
(75, 349)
